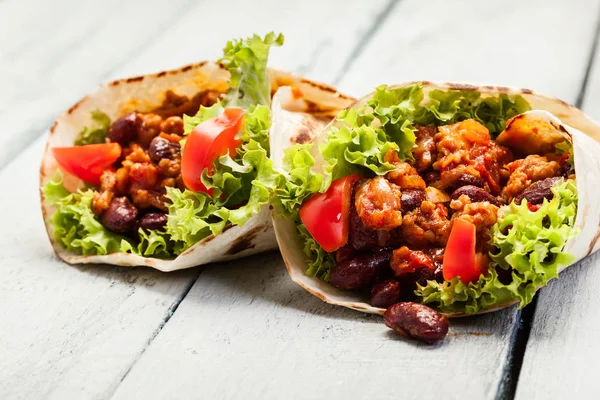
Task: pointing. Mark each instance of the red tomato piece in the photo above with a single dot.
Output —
(460, 258)
(327, 215)
(87, 162)
(209, 140)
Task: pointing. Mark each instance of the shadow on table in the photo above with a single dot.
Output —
(263, 279)
(567, 300)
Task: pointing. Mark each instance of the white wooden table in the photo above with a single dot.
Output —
(243, 329)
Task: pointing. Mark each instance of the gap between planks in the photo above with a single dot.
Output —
(356, 51)
(41, 127)
(520, 338)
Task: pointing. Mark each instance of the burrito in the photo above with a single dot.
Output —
(172, 170)
(465, 199)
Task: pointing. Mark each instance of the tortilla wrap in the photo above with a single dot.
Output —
(569, 120)
(145, 93)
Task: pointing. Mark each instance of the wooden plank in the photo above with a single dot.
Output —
(53, 53)
(68, 329)
(517, 43)
(560, 360)
(76, 331)
(247, 331)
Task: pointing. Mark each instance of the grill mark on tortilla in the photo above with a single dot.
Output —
(159, 74)
(526, 91)
(593, 242)
(462, 86)
(245, 242)
(325, 88)
(74, 106)
(134, 79)
(211, 237)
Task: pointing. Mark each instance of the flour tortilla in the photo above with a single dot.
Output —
(145, 93)
(572, 122)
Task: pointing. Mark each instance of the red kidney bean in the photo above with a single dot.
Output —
(120, 216)
(153, 221)
(417, 321)
(359, 236)
(163, 148)
(431, 177)
(411, 199)
(360, 271)
(385, 293)
(474, 193)
(565, 170)
(125, 129)
(537, 192)
(467, 179)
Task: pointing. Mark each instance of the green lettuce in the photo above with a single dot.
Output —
(297, 180)
(203, 114)
(246, 60)
(97, 133)
(241, 185)
(528, 252)
(449, 107)
(76, 228)
(363, 136)
(320, 262)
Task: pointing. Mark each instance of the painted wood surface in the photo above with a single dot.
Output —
(265, 327)
(76, 331)
(561, 360)
(245, 330)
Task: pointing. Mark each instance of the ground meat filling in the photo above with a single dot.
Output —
(378, 203)
(468, 156)
(132, 195)
(424, 150)
(526, 171)
(458, 172)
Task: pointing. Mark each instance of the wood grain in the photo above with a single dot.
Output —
(561, 357)
(535, 44)
(53, 53)
(75, 331)
(246, 331)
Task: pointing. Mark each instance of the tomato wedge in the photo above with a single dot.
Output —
(327, 215)
(87, 162)
(211, 139)
(460, 258)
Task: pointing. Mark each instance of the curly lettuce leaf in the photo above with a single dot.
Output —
(246, 60)
(203, 114)
(320, 262)
(297, 182)
(241, 185)
(350, 148)
(385, 123)
(448, 107)
(528, 248)
(76, 228)
(97, 133)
